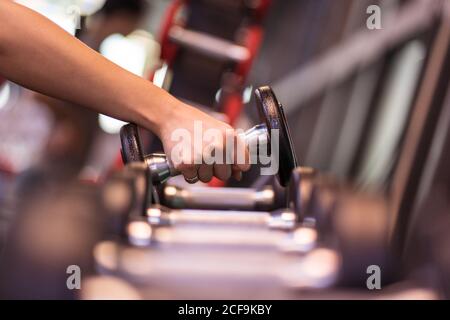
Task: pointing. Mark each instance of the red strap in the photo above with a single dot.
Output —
(216, 183)
(169, 49)
(118, 162)
(252, 41)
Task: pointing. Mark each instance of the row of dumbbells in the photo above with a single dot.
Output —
(320, 231)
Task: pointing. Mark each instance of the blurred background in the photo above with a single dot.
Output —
(366, 103)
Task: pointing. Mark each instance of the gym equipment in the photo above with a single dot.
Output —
(272, 116)
(125, 196)
(218, 42)
(327, 236)
(331, 246)
(300, 190)
(212, 38)
(267, 196)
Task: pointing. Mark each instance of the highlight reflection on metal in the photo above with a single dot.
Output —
(5, 94)
(174, 265)
(284, 220)
(233, 217)
(302, 240)
(217, 198)
(158, 216)
(222, 235)
(139, 233)
(257, 136)
(159, 167)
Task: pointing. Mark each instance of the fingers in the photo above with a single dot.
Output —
(222, 171)
(205, 173)
(189, 171)
(237, 154)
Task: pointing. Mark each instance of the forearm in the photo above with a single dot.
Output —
(39, 55)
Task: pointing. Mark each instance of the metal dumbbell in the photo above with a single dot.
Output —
(272, 117)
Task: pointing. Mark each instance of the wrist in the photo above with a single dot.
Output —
(154, 109)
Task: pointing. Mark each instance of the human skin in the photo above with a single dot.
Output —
(37, 54)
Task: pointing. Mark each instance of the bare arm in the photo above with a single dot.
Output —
(37, 54)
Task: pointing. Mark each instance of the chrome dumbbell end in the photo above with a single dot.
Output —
(257, 136)
(159, 167)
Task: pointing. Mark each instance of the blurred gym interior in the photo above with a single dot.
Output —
(358, 209)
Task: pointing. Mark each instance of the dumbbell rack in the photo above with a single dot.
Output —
(205, 253)
(229, 254)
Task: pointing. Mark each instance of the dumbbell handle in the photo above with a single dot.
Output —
(218, 198)
(161, 169)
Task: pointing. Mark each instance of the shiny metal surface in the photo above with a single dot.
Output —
(237, 219)
(207, 44)
(162, 170)
(218, 198)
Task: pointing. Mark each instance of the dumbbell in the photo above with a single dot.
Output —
(125, 197)
(272, 118)
(346, 229)
(287, 218)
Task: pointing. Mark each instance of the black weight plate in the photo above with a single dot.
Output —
(295, 197)
(300, 189)
(272, 114)
(131, 144)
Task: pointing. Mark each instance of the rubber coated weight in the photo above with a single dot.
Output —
(300, 190)
(131, 144)
(272, 114)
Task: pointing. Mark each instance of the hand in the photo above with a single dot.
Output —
(208, 157)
